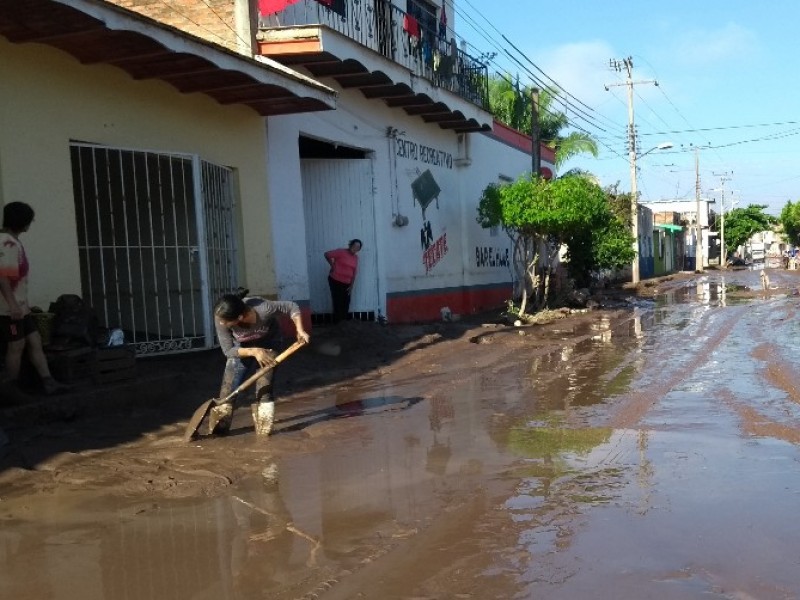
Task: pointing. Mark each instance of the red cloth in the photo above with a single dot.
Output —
(411, 26)
(270, 7)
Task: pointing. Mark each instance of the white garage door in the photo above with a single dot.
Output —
(338, 201)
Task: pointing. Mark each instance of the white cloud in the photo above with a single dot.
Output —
(581, 68)
(703, 47)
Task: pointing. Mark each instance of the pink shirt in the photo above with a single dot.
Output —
(344, 265)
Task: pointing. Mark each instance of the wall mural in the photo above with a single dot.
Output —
(425, 191)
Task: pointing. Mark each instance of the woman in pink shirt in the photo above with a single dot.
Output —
(344, 266)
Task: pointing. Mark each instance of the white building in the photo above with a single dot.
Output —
(688, 211)
(401, 164)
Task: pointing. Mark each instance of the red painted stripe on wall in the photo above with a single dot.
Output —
(521, 141)
(422, 306)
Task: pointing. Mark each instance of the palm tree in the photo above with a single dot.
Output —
(511, 105)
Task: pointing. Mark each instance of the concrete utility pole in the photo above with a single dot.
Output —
(617, 65)
(698, 267)
(536, 150)
(723, 261)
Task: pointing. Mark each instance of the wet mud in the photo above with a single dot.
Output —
(648, 449)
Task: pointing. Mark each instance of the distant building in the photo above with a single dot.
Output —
(686, 209)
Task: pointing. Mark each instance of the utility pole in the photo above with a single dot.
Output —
(698, 253)
(723, 261)
(536, 150)
(618, 65)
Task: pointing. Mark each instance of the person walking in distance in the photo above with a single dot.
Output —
(17, 326)
(342, 276)
(247, 330)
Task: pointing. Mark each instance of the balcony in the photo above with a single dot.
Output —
(405, 61)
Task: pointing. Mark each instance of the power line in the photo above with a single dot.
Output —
(538, 81)
(534, 65)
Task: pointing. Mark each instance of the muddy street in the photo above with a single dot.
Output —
(645, 450)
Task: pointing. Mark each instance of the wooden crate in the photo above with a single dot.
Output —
(114, 364)
(72, 364)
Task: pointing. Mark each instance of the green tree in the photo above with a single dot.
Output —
(790, 220)
(542, 216)
(742, 223)
(511, 104)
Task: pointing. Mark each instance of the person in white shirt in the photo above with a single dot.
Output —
(17, 328)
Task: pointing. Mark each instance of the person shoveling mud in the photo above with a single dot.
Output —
(247, 330)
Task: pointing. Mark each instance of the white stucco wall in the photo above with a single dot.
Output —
(492, 161)
(402, 148)
(48, 99)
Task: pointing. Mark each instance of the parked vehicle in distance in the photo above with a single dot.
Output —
(736, 261)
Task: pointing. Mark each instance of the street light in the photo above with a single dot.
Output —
(635, 204)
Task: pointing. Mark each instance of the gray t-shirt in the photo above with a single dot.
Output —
(264, 330)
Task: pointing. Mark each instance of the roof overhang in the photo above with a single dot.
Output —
(97, 32)
(324, 52)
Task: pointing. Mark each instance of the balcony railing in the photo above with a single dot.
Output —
(384, 28)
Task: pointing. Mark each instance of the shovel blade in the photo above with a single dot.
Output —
(197, 418)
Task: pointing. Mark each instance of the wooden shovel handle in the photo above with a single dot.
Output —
(262, 371)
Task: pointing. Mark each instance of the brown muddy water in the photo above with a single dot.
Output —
(644, 452)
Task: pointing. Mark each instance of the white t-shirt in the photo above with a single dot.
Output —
(14, 267)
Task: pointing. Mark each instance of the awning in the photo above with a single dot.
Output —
(97, 32)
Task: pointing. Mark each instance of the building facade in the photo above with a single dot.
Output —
(189, 153)
(687, 210)
(143, 153)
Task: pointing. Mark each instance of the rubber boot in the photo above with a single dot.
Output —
(263, 417)
(219, 419)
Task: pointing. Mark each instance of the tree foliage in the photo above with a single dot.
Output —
(742, 223)
(542, 216)
(512, 105)
(790, 220)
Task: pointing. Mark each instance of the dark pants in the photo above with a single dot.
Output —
(341, 299)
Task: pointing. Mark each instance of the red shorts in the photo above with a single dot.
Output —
(13, 331)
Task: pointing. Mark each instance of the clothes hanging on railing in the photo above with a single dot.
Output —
(411, 26)
(270, 7)
(427, 53)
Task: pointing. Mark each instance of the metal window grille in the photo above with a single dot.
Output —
(156, 239)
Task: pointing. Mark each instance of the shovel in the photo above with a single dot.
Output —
(202, 411)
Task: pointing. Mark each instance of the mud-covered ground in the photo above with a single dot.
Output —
(643, 449)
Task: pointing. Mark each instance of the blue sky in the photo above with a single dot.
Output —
(728, 84)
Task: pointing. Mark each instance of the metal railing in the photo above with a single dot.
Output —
(393, 33)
